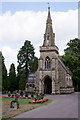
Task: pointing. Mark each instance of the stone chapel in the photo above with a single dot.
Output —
(52, 76)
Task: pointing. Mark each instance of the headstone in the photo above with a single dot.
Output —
(14, 104)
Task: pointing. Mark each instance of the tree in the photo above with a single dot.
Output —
(4, 75)
(34, 65)
(25, 62)
(12, 78)
(71, 59)
(26, 56)
(0, 71)
(22, 80)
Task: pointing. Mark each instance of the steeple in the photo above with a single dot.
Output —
(49, 36)
(49, 16)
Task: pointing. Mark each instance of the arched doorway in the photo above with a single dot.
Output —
(47, 85)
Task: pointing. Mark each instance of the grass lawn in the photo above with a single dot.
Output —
(24, 106)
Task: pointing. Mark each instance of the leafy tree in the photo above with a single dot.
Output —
(25, 60)
(71, 58)
(12, 78)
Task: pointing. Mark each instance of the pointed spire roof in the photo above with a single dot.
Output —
(49, 16)
(49, 23)
(48, 11)
(49, 36)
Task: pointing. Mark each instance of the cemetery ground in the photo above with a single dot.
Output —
(8, 112)
(63, 106)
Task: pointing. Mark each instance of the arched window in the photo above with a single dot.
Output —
(47, 63)
(47, 37)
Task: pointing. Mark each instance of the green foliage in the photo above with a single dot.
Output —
(21, 93)
(12, 78)
(0, 71)
(4, 75)
(71, 59)
(26, 56)
(9, 94)
(22, 80)
(26, 94)
(74, 46)
(9, 83)
(34, 65)
(12, 95)
(39, 96)
(27, 62)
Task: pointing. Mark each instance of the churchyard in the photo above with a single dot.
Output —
(49, 75)
(24, 105)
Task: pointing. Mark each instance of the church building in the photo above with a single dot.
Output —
(52, 76)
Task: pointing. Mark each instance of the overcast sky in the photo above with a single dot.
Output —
(20, 21)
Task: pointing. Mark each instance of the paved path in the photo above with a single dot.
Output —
(63, 106)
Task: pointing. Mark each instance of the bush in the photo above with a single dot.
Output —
(39, 96)
(21, 93)
(9, 94)
(26, 94)
(12, 94)
(32, 95)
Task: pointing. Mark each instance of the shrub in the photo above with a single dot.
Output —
(12, 94)
(39, 96)
(26, 94)
(21, 93)
(9, 93)
(32, 94)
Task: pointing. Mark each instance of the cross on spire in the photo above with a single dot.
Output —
(48, 4)
(49, 16)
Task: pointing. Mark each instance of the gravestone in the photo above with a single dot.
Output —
(14, 103)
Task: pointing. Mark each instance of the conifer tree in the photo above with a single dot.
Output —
(12, 78)
(25, 61)
(4, 75)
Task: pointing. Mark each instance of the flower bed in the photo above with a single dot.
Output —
(27, 97)
(39, 101)
(21, 97)
(10, 97)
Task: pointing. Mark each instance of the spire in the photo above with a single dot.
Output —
(49, 11)
(49, 36)
(49, 22)
(49, 16)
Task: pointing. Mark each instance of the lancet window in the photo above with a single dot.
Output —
(47, 63)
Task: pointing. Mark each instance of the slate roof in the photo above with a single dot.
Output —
(31, 78)
(67, 70)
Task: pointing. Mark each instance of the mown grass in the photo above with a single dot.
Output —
(24, 106)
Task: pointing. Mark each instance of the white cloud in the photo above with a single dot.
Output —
(30, 25)
(10, 56)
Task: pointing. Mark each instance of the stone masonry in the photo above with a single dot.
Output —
(52, 76)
